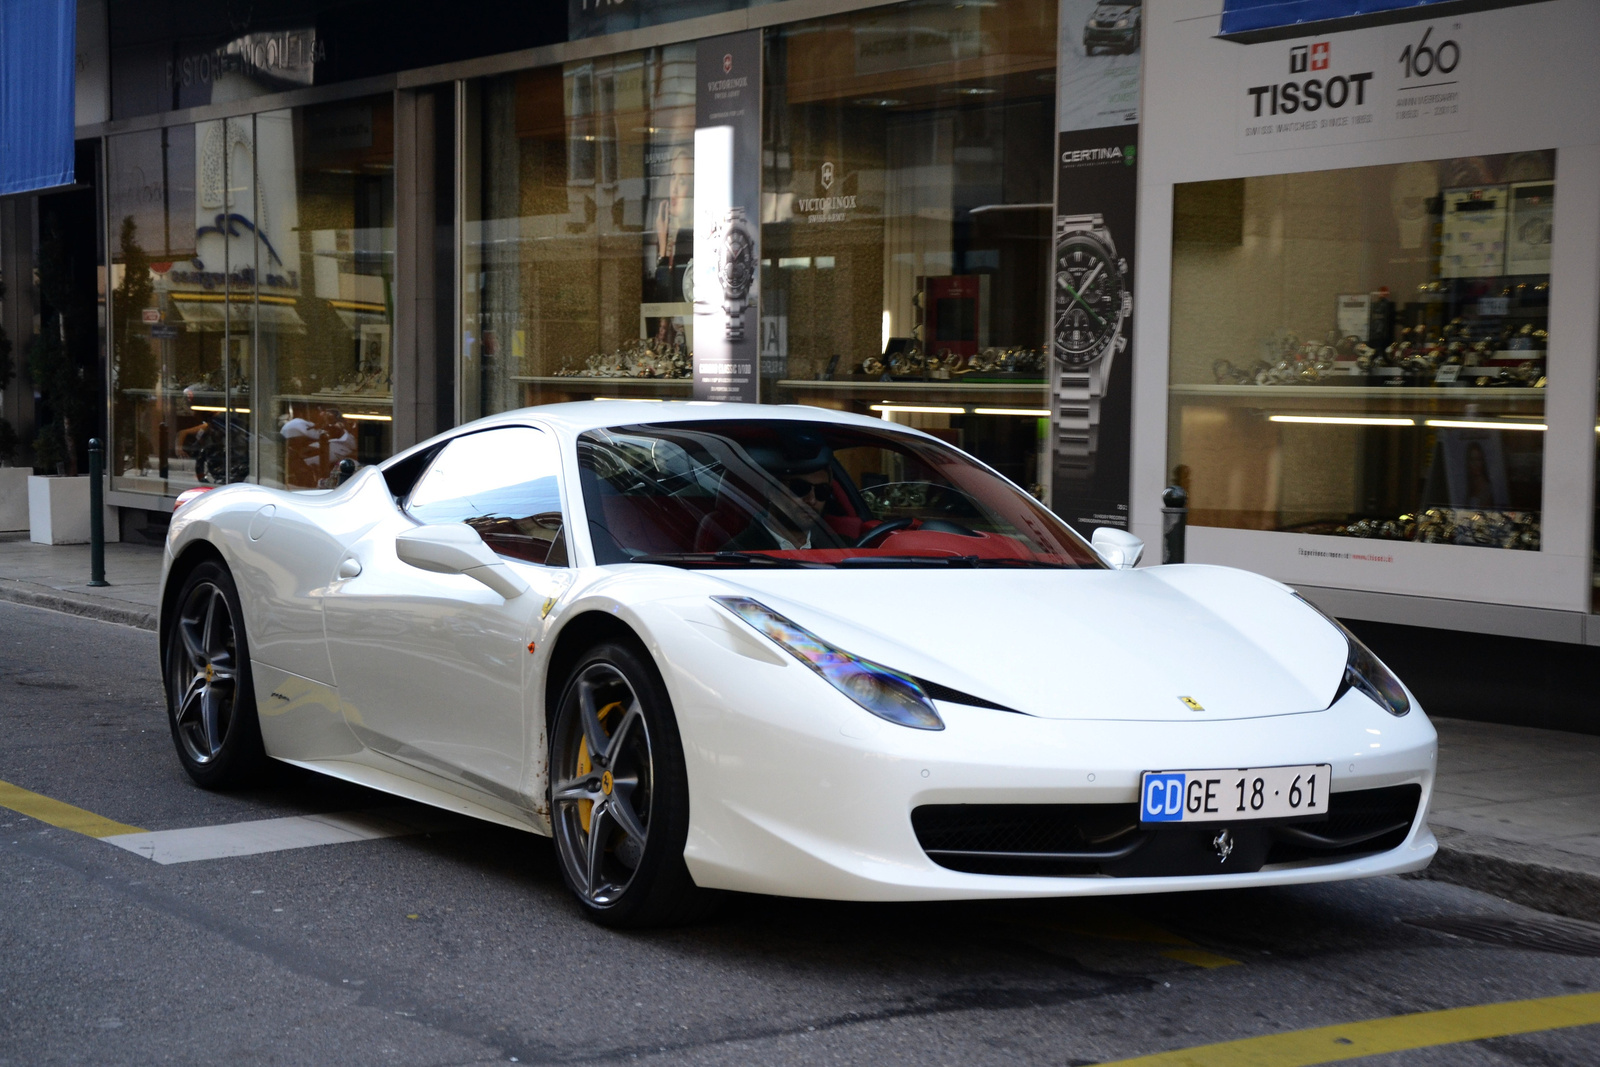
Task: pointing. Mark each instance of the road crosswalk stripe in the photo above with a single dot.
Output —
(1396, 1033)
(58, 813)
(272, 835)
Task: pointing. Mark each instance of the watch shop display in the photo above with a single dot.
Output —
(1381, 369)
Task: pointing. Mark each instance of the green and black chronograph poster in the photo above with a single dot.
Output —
(1091, 328)
(1090, 332)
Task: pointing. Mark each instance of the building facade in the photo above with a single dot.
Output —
(1318, 276)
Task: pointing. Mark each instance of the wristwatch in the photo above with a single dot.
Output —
(1091, 305)
(736, 268)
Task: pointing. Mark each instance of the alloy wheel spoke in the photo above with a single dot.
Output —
(623, 814)
(573, 789)
(191, 643)
(598, 818)
(593, 731)
(192, 696)
(208, 632)
(629, 717)
(211, 720)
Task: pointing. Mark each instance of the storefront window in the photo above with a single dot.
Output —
(579, 214)
(1361, 352)
(326, 304)
(906, 220)
(251, 305)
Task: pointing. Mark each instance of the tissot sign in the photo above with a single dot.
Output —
(1393, 81)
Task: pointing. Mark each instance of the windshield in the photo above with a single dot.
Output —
(768, 492)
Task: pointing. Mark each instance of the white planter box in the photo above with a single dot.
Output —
(14, 497)
(58, 512)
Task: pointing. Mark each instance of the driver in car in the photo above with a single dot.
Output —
(803, 466)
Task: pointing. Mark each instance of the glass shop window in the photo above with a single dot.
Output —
(1361, 352)
(906, 220)
(579, 230)
(252, 298)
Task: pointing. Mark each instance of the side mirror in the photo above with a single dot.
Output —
(1119, 548)
(456, 548)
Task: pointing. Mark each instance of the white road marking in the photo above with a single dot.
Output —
(273, 835)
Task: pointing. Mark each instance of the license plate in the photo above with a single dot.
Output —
(1235, 795)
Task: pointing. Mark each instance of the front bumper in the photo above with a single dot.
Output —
(797, 792)
(1094, 36)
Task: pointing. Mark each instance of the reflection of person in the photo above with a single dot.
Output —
(314, 445)
(804, 467)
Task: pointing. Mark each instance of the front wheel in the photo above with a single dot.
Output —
(211, 703)
(619, 794)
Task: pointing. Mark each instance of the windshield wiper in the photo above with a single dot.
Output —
(907, 561)
(740, 559)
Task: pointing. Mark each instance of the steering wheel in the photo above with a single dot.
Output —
(883, 528)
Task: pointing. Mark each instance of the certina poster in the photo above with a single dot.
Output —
(1391, 81)
(1090, 328)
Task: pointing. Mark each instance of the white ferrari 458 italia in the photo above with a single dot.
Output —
(781, 650)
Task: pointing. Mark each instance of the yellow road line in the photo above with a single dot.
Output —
(45, 809)
(1397, 1033)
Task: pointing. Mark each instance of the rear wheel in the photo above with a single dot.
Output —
(619, 794)
(211, 704)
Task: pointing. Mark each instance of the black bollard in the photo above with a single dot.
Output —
(97, 515)
(1174, 522)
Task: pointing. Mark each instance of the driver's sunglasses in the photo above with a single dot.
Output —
(802, 488)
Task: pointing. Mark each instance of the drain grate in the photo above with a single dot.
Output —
(1562, 936)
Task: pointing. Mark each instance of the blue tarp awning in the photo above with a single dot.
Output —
(1262, 20)
(37, 46)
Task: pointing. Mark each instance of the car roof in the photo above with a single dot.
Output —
(581, 415)
(575, 417)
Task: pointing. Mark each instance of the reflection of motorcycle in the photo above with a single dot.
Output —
(209, 449)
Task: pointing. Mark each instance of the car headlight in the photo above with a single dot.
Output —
(885, 692)
(1122, 24)
(1365, 672)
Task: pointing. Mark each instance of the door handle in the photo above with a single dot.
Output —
(349, 568)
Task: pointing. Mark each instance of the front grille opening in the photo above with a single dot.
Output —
(1105, 839)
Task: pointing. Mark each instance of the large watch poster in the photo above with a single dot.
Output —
(1090, 308)
(727, 217)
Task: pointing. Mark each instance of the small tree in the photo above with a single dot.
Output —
(64, 324)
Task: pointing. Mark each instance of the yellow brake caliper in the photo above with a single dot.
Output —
(585, 765)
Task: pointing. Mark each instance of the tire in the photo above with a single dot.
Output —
(634, 795)
(211, 700)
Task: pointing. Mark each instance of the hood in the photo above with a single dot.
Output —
(1078, 644)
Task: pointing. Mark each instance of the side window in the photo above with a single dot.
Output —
(503, 483)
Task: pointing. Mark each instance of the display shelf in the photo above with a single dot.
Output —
(1035, 388)
(584, 383)
(1362, 392)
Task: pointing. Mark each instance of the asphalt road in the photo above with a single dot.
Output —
(460, 946)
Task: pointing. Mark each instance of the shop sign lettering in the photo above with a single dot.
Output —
(1392, 81)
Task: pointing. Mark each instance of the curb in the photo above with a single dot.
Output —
(1518, 873)
(86, 607)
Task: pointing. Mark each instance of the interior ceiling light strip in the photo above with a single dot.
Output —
(1343, 420)
(207, 407)
(916, 409)
(1038, 413)
(1482, 424)
(368, 418)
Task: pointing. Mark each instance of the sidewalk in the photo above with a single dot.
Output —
(1516, 810)
(57, 577)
